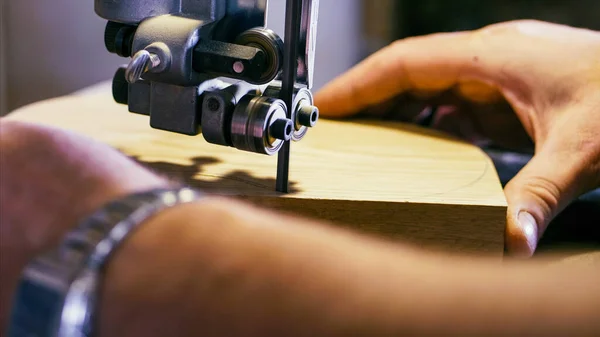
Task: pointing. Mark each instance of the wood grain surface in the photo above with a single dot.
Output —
(395, 180)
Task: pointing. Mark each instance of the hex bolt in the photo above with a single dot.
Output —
(281, 129)
(120, 87)
(308, 115)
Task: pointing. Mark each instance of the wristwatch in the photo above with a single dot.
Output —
(56, 296)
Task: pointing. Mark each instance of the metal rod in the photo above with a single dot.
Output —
(293, 15)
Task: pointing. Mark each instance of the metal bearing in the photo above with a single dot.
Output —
(304, 114)
(259, 124)
(270, 44)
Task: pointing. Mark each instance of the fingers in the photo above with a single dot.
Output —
(479, 92)
(560, 172)
(430, 63)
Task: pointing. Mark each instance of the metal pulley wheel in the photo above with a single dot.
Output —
(304, 114)
(271, 44)
(259, 124)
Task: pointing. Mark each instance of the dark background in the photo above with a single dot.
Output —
(384, 21)
(417, 17)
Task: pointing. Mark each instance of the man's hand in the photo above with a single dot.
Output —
(50, 180)
(549, 74)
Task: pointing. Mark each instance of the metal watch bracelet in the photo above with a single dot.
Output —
(57, 292)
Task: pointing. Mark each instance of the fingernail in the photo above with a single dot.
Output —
(529, 227)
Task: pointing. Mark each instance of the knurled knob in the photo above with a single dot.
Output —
(118, 38)
(120, 87)
(110, 36)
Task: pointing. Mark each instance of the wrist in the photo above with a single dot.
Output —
(87, 196)
(22, 244)
(94, 195)
(153, 275)
(69, 276)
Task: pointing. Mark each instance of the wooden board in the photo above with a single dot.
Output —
(396, 180)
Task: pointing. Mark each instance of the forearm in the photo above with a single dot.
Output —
(219, 269)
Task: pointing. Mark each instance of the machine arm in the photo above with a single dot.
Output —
(213, 67)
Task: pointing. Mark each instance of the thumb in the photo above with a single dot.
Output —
(545, 186)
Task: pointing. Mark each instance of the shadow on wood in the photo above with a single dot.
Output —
(195, 175)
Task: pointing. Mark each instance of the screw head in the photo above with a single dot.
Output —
(213, 104)
(238, 67)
